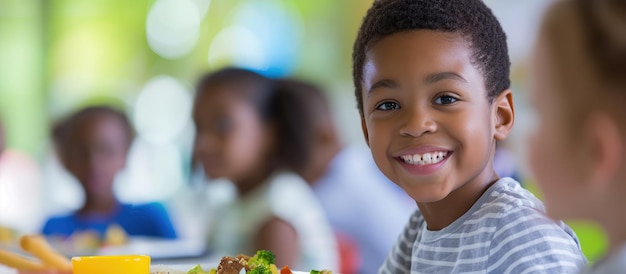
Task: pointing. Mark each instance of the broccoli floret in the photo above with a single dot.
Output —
(262, 258)
(261, 269)
(197, 270)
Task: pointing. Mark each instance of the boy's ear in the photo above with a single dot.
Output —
(504, 114)
(604, 144)
(365, 134)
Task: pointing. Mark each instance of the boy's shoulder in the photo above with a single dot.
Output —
(508, 212)
(506, 229)
(508, 197)
(519, 219)
(504, 201)
(508, 208)
(520, 230)
(497, 212)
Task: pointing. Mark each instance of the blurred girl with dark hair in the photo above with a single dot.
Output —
(252, 134)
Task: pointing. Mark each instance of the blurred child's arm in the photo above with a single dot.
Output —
(281, 238)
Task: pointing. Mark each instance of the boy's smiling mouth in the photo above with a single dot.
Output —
(427, 158)
(424, 160)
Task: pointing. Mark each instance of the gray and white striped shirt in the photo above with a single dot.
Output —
(505, 231)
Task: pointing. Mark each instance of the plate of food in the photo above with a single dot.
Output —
(261, 263)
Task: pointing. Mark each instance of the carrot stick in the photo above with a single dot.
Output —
(18, 262)
(38, 246)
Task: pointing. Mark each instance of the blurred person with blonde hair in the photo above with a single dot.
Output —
(578, 153)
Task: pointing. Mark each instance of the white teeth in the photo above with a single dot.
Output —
(416, 158)
(424, 159)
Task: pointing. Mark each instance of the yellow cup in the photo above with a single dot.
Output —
(126, 264)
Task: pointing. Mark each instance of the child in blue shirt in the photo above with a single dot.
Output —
(432, 86)
(578, 151)
(92, 145)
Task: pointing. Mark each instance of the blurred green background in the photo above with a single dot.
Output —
(57, 54)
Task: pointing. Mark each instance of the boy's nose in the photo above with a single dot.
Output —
(417, 123)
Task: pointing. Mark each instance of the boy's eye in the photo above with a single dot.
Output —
(388, 106)
(444, 100)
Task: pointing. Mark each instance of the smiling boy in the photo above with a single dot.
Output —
(432, 86)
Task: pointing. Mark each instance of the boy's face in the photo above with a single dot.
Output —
(552, 152)
(230, 139)
(426, 117)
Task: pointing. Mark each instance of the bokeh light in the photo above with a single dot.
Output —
(264, 36)
(140, 183)
(162, 110)
(172, 27)
(239, 46)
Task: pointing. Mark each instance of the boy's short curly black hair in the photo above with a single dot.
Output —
(471, 19)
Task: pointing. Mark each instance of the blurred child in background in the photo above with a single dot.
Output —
(253, 135)
(432, 85)
(93, 146)
(578, 153)
(360, 202)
